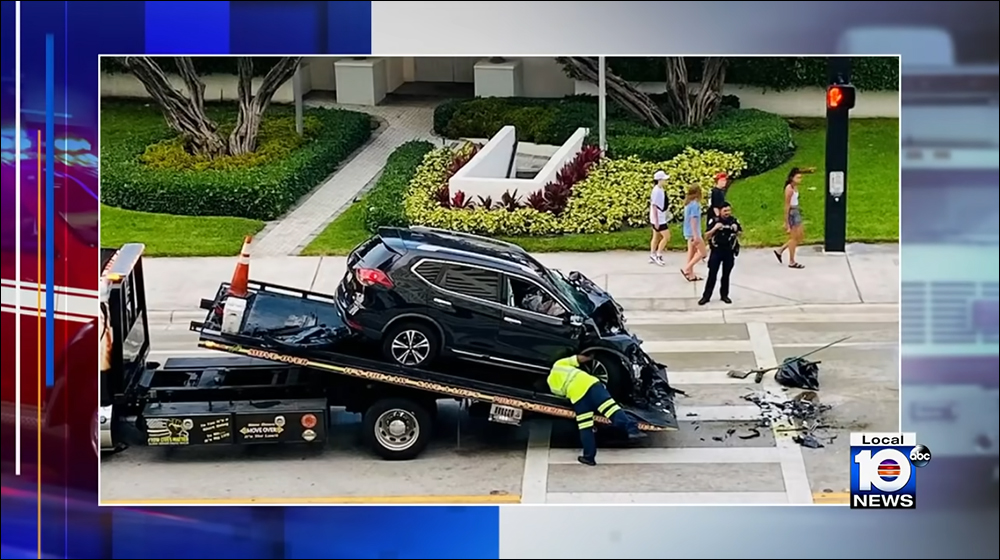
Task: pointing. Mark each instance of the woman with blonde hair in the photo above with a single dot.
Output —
(692, 232)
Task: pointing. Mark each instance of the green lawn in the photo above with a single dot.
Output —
(872, 201)
(175, 236)
(343, 234)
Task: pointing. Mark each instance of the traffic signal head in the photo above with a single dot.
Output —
(840, 97)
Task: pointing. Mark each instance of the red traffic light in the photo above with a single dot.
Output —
(834, 96)
(840, 97)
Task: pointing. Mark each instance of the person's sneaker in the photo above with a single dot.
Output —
(726, 300)
(586, 461)
(652, 259)
(704, 300)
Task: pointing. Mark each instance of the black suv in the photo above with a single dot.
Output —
(425, 293)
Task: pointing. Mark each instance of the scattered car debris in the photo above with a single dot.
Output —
(754, 433)
(798, 373)
(803, 412)
(808, 440)
(795, 373)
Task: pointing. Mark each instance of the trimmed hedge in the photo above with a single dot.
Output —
(204, 64)
(880, 73)
(383, 203)
(764, 139)
(613, 196)
(260, 191)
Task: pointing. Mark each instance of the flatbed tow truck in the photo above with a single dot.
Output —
(291, 359)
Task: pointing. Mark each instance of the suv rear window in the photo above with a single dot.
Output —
(372, 254)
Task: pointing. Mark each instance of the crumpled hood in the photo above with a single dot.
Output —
(597, 295)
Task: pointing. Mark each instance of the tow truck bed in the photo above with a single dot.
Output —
(318, 330)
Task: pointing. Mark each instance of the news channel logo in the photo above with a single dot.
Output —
(883, 470)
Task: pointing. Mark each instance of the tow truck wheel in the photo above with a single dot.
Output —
(411, 344)
(397, 429)
(609, 366)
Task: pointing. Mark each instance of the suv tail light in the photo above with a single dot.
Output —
(372, 277)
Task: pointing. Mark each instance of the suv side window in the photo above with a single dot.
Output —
(528, 296)
(471, 282)
(430, 271)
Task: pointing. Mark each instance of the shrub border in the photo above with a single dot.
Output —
(264, 192)
(874, 73)
(765, 139)
(384, 202)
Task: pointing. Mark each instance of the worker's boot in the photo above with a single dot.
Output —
(589, 461)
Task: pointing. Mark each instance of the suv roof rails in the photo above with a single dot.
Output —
(468, 236)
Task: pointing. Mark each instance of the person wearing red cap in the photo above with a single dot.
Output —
(718, 197)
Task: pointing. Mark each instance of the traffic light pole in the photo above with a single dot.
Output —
(837, 123)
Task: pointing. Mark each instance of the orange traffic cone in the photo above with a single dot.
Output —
(241, 276)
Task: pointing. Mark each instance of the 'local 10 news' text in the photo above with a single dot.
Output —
(883, 470)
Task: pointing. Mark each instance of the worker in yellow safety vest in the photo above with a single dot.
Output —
(589, 397)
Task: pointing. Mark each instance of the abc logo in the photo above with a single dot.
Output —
(920, 456)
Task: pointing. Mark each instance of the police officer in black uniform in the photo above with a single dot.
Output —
(724, 238)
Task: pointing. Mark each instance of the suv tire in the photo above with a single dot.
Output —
(413, 344)
(619, 382)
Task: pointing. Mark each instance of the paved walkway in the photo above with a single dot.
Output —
(401, 124)
(866, 274)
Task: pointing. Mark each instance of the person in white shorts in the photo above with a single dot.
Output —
(659, 218)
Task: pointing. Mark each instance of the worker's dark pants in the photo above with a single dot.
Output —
(719, 259)
(597, 400)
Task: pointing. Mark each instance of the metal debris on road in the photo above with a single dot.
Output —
(803, 412)
(808, 440)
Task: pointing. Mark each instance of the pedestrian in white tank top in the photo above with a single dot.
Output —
(792, 218)
(659, 218)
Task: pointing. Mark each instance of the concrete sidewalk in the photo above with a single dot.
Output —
(866, 274)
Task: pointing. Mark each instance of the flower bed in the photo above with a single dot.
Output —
(590, 194)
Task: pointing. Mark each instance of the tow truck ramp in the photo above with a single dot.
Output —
(306, 329)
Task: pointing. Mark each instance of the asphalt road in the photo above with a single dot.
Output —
(716, 457)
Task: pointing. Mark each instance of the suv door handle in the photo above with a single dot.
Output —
(444, 302)
(512, 320)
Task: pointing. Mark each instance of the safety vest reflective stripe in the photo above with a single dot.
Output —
(608, 408)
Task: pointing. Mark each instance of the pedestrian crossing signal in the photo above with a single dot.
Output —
(840, 97)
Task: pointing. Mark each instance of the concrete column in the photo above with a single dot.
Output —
(360, 81)
(498, 79)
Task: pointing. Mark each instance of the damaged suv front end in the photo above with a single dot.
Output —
(644, 388)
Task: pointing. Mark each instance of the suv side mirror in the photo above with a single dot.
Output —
(575, 320)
